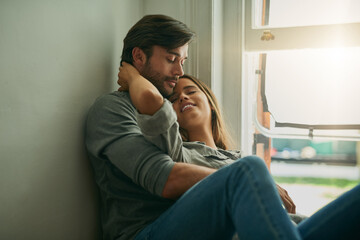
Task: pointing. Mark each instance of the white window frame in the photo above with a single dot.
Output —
(322, 36)
(289, 38)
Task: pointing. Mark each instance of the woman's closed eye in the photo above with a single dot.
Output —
(191, 92)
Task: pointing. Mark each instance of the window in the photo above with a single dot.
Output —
(303, 73)
(295, 13)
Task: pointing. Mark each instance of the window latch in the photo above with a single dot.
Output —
(267, 36)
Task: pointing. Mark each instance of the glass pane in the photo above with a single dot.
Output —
(314, 86)
(307, 151)
(293, 13)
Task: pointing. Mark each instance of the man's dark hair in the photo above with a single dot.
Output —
(153, 30)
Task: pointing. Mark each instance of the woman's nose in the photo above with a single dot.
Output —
(183, 97)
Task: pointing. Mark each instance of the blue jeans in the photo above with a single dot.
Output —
(242, 198)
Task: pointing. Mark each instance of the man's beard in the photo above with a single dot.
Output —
(157, 79)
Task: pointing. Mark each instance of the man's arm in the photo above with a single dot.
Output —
(144, 95)
(155, 116)
(182, 177)
(112, 134)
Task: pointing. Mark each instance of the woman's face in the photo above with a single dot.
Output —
(191, 105)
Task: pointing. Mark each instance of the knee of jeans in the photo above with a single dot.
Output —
(254, 162)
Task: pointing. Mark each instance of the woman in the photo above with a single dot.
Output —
(202, 140)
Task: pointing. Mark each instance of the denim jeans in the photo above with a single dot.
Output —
(242, 198)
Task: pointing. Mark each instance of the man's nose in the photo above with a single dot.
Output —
(178, 70)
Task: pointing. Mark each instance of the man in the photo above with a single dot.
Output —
(137, 181)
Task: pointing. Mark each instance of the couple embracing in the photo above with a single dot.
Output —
(163, 161)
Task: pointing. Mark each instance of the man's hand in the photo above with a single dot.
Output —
(288, 202)
(126, 73)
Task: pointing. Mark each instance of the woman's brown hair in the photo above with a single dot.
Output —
(220, 133)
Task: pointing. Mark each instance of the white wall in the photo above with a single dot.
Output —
(233, 45)
(56, 57)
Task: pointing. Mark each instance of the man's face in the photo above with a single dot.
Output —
(164, 67)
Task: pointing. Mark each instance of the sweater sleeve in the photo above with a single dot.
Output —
(162, 129)
(113, 135)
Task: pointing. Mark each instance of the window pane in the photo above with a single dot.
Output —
(293, 13)
(314, 86)
(307, 151)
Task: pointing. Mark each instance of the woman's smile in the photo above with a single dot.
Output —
(187, 106)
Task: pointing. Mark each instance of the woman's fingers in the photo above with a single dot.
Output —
(286, 199)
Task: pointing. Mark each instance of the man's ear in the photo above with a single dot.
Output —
(139, 57)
